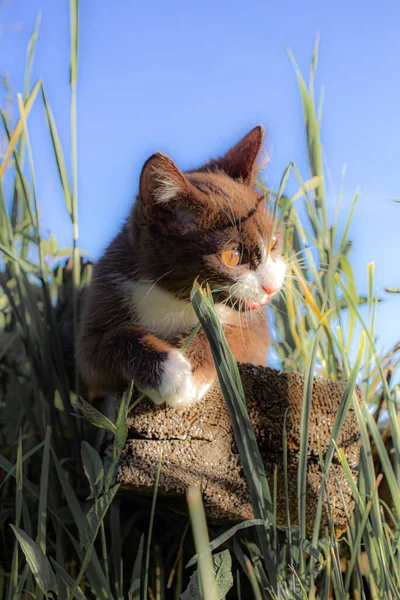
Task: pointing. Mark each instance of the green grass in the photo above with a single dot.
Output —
(65, 529)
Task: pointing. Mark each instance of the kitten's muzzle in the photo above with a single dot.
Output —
(254, 305)
(264, 300)
(270, 291)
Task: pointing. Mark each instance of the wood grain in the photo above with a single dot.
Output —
(198, 445)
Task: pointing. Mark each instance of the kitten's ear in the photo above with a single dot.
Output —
(240, 161)
(164, 187)
(161, 180)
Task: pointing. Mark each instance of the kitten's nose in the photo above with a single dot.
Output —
(269, 291)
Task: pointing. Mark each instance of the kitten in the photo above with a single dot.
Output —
(210, 224)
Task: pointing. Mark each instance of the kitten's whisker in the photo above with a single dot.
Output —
(312, 286)
(231, 218)
(303, 250)
(155, 283)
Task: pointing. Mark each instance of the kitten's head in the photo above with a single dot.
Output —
(209, 223)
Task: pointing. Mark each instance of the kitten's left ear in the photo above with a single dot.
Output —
(240, 162)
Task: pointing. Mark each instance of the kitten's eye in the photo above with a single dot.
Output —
(274, 243)
(231, 257)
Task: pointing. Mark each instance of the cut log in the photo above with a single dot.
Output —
(198, 445)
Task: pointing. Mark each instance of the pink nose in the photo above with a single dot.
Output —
(269, 291)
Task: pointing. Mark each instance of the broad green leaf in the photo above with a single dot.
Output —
(91, 526)
(222, 567)
(93, 467)
(121, 431)
(222, 563)
(96, 515)
(94, 416)
(38, 563)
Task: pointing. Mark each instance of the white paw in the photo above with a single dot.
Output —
(178, 386)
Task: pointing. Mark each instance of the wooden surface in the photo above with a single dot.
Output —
(198, 444)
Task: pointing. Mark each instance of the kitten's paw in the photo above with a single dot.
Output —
(178, 385)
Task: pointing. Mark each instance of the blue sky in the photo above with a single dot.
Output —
(189, 78)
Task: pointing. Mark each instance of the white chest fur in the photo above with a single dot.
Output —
(161, 313)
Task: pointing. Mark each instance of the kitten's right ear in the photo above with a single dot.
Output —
(240, 162)
(161, 182)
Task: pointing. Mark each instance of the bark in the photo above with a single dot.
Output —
(198, 445)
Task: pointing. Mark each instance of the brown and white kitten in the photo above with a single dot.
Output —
(210, 224)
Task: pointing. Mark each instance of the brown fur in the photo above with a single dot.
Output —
(175, 233)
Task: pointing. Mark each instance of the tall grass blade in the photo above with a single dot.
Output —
(67, 580)
(150, 532)
(304, 440)
(201, 540)
(224, 537)
(18, 129)
(74, 21)
(44, 481)
(253, 579)
(58, 153)
(135, 585)
(232, 390)
(15, 207)
(18, 511)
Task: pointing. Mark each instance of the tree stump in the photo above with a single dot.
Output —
(198, 444)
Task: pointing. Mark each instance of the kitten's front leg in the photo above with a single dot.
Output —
(174, 383)
(112, 360)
